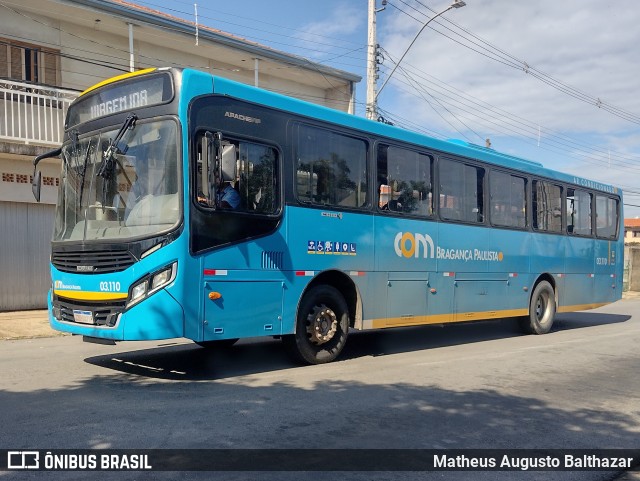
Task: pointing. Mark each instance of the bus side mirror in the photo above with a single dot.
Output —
(36, 184)
(218, 165)
(208, 184)
(228, 163)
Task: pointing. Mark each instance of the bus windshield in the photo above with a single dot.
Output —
(119, 183)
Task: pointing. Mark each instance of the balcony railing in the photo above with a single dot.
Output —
(33, 114)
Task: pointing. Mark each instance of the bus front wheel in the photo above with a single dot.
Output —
(542, 309)
(322, 326)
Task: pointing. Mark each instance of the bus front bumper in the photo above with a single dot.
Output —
(158, 317)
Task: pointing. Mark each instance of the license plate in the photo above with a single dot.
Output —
(83, 317)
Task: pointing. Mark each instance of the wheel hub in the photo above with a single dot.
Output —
(322, 324)
(541, 307)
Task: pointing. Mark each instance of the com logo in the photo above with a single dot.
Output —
(416, 245)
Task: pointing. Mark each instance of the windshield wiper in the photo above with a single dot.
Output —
(75, 143)
(84, 172)
(107, 165)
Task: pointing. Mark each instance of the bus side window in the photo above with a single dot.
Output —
(461, 191)
(332, 168)
(404, 178)
(546, 203)
(578, 212)
(257, 178)
(248, 168)
(507, 195)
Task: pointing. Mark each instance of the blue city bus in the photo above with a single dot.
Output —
(193, 206)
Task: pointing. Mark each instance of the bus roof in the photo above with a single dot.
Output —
(455, 147)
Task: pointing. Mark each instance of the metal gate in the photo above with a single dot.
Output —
(25, 246)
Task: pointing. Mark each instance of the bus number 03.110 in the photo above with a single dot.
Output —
(110, 286)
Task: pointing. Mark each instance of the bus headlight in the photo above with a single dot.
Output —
(138, 292)
(162, 278)
(152, 283)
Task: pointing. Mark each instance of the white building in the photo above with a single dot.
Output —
(50, 50)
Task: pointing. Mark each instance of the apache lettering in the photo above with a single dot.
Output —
(244, 118)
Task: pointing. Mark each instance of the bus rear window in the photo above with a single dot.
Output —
(606, 217)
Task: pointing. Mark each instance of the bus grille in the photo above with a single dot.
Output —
(92, 262)
(103, 314)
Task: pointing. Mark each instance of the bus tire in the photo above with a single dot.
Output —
(542, 309)
(219, 344)
(322, 325)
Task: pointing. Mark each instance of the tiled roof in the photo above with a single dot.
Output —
(168, 16)
(632, 223)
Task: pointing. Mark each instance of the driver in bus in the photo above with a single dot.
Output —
(228, 197)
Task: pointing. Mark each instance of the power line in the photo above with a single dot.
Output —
(499, 55)
(523, 125)
(552, 148)
(410, 78)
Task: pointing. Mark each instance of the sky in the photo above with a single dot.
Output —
(554, 82)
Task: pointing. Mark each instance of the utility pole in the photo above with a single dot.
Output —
(372, 55)
(372, 60)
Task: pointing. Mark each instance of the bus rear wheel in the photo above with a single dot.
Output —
(322, 325)
(542, 309)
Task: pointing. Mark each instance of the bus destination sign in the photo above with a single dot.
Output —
(143, 92)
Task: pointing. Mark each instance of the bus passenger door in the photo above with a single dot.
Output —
(579, 268)
(235, 309)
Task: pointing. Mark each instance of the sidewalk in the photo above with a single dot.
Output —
(25, 325)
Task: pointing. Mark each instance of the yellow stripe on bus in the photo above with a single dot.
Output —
(117, 78)
(90, 296)
(406, 321)
(581, 307)
(442, 318)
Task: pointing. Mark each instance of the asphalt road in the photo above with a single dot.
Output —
(479, 385)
